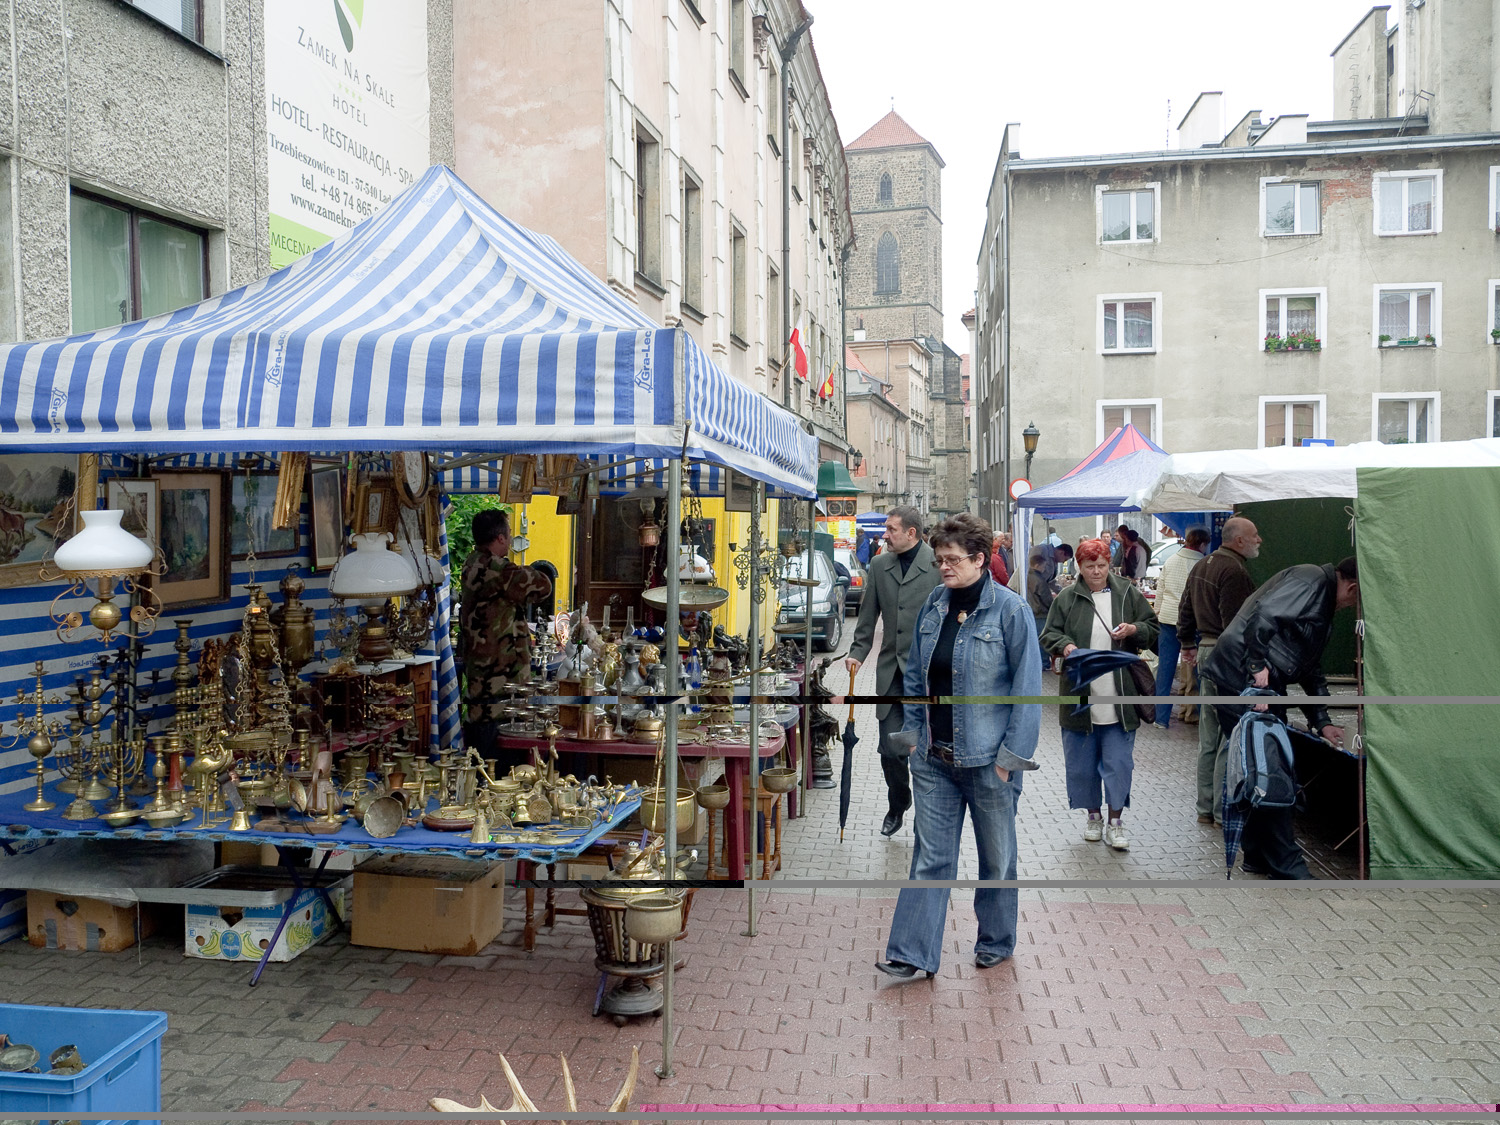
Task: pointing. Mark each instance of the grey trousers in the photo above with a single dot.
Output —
(1210, 742)
(896, 767)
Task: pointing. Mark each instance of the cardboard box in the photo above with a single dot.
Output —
(55, 921)
(242, 933)
(428, 904)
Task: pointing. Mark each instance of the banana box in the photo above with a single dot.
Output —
(226, 932)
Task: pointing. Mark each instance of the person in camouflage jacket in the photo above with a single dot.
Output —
(493, 636)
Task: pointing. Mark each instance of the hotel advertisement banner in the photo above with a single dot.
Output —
(347, 104)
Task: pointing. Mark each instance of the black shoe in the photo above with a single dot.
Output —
(1252, 869)
(892, 822)
(900, 970)
(988, 960)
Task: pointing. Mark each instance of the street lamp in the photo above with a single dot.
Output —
(881, 485)
(1029, 436)
(856, 460)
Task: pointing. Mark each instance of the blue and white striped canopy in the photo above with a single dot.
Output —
(439, 325)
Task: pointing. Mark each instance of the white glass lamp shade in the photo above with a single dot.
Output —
(103, 547)
(370, 572)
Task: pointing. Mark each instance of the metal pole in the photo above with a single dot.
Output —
(757, 498)
(805, 750)
(669, 780)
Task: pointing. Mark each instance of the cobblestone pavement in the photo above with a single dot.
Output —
(1246, 992)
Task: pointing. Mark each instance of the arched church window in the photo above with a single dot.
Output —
(887, 265)
(886, 194)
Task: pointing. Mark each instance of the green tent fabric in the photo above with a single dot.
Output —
(1428, 542)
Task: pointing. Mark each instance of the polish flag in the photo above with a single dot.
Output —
(799, 352)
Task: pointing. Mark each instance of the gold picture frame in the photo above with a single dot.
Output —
(432, 523)
(37, 490)
(517, 478)
(374, 506)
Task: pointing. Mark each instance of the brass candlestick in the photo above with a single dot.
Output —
(42, 731)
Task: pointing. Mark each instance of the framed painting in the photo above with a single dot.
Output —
(739, 492)
(40, 496)
(375, 506)
(327, 488)
(517, 478)
(140, 500)
(432, 523)
(193, 539)
(574, 492)
(252, 523)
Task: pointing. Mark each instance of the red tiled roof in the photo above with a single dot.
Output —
(889, 132)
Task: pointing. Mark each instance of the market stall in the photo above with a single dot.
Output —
(1430, 791)
(438, 333)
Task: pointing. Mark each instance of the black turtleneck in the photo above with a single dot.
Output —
(963, 600)
(906, 556)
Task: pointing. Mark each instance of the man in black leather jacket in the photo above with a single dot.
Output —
(1276, 639)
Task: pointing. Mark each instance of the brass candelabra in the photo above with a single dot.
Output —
(42, 731)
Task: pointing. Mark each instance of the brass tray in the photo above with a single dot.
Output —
(805, 582)
(689, 596)
(790, 629)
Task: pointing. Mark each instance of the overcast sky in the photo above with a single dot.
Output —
(1080, 76)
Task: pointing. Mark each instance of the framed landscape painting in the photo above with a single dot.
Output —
(40, 495)
(193, 539)
(252, 507)
(140, 500)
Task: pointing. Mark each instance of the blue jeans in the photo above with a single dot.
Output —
(1169, 648)
(1105, 755)
(943, 793)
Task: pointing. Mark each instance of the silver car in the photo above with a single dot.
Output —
(827, 600)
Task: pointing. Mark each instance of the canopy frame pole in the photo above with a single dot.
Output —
(757, 498)
(805, 741)
(668, 798)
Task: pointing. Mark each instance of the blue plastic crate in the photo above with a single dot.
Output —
(122, 1050)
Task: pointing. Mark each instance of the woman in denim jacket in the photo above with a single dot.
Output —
(973, 637)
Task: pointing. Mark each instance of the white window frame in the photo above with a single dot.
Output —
(1320, 414)
(1099, 192)
(1491, 321)
(1434, 412)
(1320, 292)
(1489, 413)
(1101, 403)
(1377, 185)
(1408, 287)
(1156, 319)
(1297, 208)
(1489, 221)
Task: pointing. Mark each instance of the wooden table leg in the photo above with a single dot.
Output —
(734, 817)
(549, 919)
(526, 871)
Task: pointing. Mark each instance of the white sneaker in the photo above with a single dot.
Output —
(1093, 828)
(1114, 836)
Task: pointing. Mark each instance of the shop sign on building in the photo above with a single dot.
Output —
(347, 112)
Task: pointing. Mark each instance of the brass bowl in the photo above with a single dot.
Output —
(713, 796)
(653, 919)
(689, 596)
(653, 812)
(162, 818)
(120, 819)
(779, 780)
(384, 816)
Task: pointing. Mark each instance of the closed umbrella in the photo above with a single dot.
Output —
(1083, 666)
(846, 776)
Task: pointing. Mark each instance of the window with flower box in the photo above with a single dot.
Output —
(1293, 319)
(1408, 315)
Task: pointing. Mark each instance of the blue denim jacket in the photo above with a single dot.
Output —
(995, 653)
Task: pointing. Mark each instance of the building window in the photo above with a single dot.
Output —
(1493, 218)
(1492, 330)
(1144, 415)
(887, 264)
(737, 42)
(183, 16)
(1289, 207)
(1408, 202)
(126, 264)
(1128, 216)
(692, 243)
(740, 283)
(1408, 314)
(886, 194)
(1286, 421)
(773, 312)
(773, 105)
(647, 206)
(1129, 323)
(1292, 319)
(1492, 412)
(1399, 419)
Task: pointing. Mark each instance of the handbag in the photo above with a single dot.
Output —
(1138, 671)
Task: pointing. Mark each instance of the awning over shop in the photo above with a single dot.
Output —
(438, 324)
(834, 480)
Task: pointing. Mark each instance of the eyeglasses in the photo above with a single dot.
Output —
(951, 561)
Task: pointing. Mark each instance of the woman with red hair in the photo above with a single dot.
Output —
(1101, 611)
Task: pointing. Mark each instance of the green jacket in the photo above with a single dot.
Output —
(1071, 621)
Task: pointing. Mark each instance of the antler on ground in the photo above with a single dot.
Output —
(520, 1102)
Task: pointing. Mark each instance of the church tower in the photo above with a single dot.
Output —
(895, 279)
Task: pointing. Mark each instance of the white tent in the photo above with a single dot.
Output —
(1220, 479)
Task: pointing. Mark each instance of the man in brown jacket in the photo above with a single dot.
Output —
(1216, 588)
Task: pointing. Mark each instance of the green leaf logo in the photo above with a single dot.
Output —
(355, 10)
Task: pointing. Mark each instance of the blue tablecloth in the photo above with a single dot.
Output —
(19, 824)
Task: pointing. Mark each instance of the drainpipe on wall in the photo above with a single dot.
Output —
(844, 255)
(787, 52)
(1005, 351)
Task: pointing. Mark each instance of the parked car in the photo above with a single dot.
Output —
(1161, 552)
(855, 594)
(827, 600)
